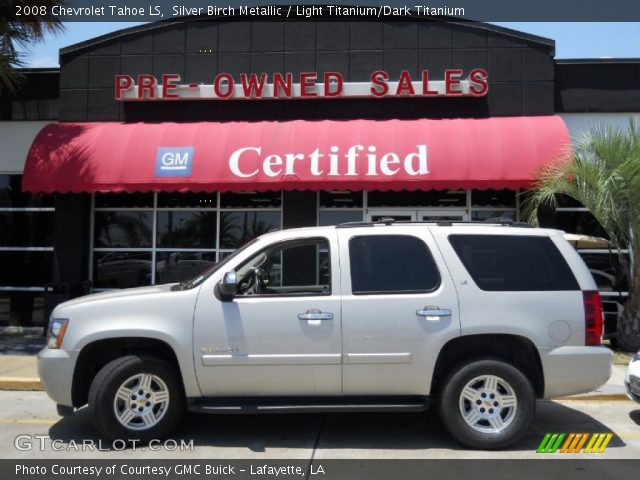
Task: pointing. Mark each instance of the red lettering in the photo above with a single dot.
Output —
(169, 84)
(379, 86)
(451, 80)
(338, 84)
(282, 84)
(405, 85)
(253, 87)
(217, 85)
(147, 83)
(425, 85)
(479, 85)
(307, 82)
(123, 83)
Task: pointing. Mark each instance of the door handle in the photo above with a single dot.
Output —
(313, 314)
(432, 313)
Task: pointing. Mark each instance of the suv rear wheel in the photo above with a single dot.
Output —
(487, 404)
(136, 397)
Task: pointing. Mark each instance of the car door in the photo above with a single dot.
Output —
(281, 337)
(399, 307)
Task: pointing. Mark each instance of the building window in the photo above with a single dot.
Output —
(26, 253)
(336, 207)
(147, 239)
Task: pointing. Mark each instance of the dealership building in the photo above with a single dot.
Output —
(153, 152)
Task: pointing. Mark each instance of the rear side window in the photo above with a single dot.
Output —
(514, 263)
(391, 264)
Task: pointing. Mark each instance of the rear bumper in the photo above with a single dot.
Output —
(572, 370)
(55, 369)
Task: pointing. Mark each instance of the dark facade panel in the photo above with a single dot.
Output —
(135, 65)
(505, 64)
(169, 63)
(395, 61)
(74, 72)
(234, 37)
(102, 71)
(201, 68)
(296, 62)
(505, 99)
(299, 36)
(101, 106)
(367, 35)
(73, 105)
(597, 86)
(400, 35)
(538, 98)
(171, 40)
(435, 35)
(202, 37)
(267, 36)
(332, 35)
(469, 37)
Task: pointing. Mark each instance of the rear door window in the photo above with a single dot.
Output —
(391, 264)
(514, 263)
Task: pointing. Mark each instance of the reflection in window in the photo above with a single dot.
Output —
(123, 229)
(26, 268)
(172, 267)
(336, 217)
(121, 269)
(26, 229)
(25, 309)
(239, 227)
(186, 229)
(482, 215)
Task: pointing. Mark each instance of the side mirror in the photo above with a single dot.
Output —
(228, 287)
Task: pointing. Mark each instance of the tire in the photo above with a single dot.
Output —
(486, 425)
(158, 409)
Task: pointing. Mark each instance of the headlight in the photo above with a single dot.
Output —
(57, 329)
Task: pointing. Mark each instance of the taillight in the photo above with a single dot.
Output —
(593, 318)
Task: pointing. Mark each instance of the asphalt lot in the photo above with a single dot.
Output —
(308, 436)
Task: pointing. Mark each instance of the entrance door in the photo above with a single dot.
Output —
(412, 215)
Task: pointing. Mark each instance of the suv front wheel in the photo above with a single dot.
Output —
(136, 397)
(487, 404)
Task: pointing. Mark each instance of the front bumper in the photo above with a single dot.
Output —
(632, 384)
(573, 370)
(55, 369)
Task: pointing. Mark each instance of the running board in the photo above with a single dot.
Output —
(240, 405)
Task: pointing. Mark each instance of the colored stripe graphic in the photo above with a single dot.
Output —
(574, 443)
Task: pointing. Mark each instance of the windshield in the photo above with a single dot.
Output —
(201, 277)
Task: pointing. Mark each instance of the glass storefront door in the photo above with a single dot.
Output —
(411, 215)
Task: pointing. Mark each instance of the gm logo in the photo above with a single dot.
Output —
(174, 161)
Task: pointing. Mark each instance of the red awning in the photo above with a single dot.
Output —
(317, 155)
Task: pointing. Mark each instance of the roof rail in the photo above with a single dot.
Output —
(503, 222)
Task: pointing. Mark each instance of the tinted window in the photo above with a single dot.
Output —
(513, 263)
(391, 264)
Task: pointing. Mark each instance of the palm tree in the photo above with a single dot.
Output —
(19, 32)
(603, 174)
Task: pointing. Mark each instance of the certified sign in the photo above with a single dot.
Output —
(174, 161)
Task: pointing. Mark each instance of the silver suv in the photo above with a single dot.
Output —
(476, 320)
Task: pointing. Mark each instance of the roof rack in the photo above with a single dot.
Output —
(502, 222)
